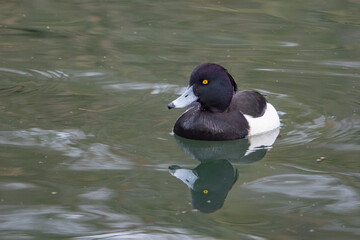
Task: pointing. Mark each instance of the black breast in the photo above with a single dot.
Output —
(201, 125)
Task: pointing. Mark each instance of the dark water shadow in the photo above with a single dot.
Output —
(210, 182)
(30, 32)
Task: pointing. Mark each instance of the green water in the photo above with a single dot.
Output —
(85, 133)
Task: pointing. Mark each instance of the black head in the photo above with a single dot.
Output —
(213, 86)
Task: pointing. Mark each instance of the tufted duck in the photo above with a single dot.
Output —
(218, 111)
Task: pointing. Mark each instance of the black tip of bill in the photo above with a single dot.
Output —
(171, 105)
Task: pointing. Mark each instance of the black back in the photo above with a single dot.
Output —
(249, 102)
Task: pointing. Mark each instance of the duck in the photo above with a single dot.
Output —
(209, 183)
(218, 111)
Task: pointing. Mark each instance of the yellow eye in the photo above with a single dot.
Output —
(205, 82)
(205, 191)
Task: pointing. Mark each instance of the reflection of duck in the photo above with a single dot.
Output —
(246, 150)
(221, 112)
(209, 183)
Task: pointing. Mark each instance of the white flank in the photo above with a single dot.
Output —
(267, 122)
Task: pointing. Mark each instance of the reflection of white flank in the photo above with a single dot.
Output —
(262, 141)
(185, 175)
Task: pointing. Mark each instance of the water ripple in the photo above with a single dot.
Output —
(56, 140)
(156, 88)
(100, 157)
(50, 74)
(318, 187)
(36, 218)
(354, 75)
(29, 81)
(96, 156)
(305, 132)
(15, 71)
(16, 186)
(343, 135)
(346, 64)
(150, 233)
(344, 128)
(98, 194)
(288, 44)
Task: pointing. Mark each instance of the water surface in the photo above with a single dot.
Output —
(85, 133)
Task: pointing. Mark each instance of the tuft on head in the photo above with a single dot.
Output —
(232, 80)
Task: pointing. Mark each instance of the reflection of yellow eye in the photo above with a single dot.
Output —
(205, 82)
(205, 191)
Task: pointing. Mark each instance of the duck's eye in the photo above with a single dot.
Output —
(204, 82)
(205, 191)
